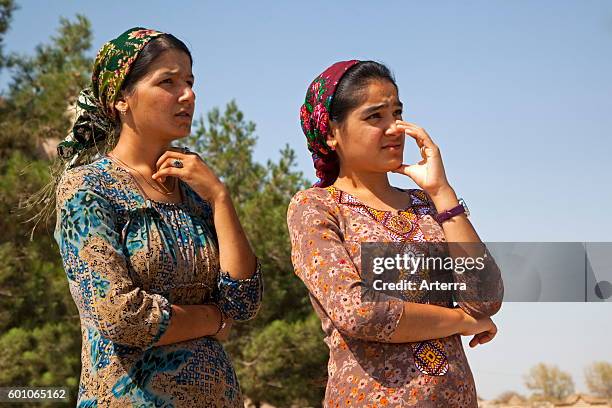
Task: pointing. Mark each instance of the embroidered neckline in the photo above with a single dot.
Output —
(401, 224)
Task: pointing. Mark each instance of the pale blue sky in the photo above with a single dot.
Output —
(517, 94)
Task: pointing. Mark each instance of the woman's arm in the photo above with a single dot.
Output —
(484, 288)
(425, 322)
(240, 284)
(92, 253)
(100, 283)
(321, 260)
(235, 254)
(458, 228)
(191, 322)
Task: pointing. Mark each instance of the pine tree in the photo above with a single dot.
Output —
(39, 325)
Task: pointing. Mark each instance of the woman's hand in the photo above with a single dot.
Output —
(482, 338)
(194, 172)
(428, 173)
(483, 329)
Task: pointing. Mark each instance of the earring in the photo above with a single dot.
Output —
(332, 145)
(123, 112)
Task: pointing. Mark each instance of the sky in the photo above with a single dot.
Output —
(517, 95)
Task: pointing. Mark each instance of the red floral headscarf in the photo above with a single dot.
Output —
(314, 117)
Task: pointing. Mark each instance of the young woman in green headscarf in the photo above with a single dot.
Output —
(157, 261)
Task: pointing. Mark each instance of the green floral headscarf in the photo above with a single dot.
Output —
(94, 131)
(95, 105)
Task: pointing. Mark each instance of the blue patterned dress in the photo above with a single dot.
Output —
(128, 259)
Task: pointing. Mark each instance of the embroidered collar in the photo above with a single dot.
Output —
(401, 224)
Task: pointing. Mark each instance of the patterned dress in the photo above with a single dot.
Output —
(128, 259)
(327, 227)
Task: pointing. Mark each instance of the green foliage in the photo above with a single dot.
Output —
(43, 87)
(226, 143)
(40, 336)
(7, 7)
(42, 357)
(285, 359)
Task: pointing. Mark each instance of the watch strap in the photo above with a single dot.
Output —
(445, 215)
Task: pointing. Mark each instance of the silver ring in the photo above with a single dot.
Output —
(186, 150)
(177, 163)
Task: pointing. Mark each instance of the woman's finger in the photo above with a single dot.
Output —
(482, 338)
(487, 336)
(169, 162)
(164, 165)
(474, 341)
(416, 132)
(419, 142)
(477, 339)
(404, 123)
(168, 171)
(176, 154)
(416, 136)
(162, 158)
(403, 169)
(419, 135)
(407, 169)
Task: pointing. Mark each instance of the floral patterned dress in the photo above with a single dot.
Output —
(327, 227)
(128, 259)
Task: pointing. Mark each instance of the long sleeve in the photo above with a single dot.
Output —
(485, 288)
(321, 260)
(240, 299)
(97, 269)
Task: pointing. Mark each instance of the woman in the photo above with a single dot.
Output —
(384, 350)
(157, 261)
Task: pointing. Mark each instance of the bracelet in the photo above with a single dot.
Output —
(222, 322)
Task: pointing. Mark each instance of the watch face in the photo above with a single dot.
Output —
(467, 210)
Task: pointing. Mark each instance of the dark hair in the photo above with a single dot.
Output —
(150, 53)
(350, 92)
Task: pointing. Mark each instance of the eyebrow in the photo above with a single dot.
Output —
(374, 108)
(174, 72)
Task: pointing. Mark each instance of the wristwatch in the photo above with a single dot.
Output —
(460, 209)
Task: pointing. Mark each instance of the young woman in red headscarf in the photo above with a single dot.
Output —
(384, 349)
